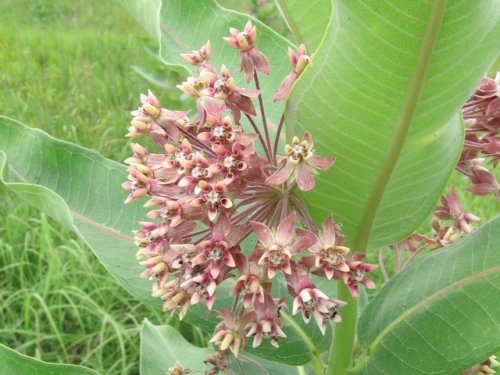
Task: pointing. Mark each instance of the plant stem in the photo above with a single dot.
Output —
(343, 337)
(263, 115)
(256, 129)
(278, 134)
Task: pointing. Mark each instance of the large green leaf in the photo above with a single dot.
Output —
(14, 363)
(162, 347)
(440, 316)
(307, 21)
(383, 95)
(81, 189)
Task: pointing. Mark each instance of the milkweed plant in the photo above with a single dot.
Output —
(230, 230)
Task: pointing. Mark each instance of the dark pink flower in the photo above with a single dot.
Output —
(328, 252)
(268, 324)
(451, 209)
(311, 301)
(278, 247)
(251, 58)
(484, 182)
(357, 274)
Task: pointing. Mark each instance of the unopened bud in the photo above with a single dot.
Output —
(302, 63)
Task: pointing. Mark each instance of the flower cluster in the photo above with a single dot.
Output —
(481, 113)
(450, 222)
(209, 189)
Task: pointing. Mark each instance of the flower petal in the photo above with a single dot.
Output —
(285, 230)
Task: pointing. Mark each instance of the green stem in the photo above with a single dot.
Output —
(343, 339)
(316, 363)
(344, 334)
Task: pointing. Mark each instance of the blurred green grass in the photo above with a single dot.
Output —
(67, 67)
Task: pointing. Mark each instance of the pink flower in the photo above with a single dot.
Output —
(268, 325)
(451, 209)
(229, 334)
(302, 162)
(277, 247)
(217, 250)
(235, 98)
(328, 252)
(484, 182)
(213, 197)
(251, 58)
(299, 61)
(199, 57)
(311, 301)
(357, 274)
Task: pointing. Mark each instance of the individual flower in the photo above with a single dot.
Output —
(278, 247)
(299, 61)
(218, 249)
(230, 333)
(199, 57)
(235, 98)
(253, 281)
(357, 274)
(251, 58)
(178, 370)
(311, 301)
(301, 161)
(268, 324)
(329, 255)
(483, 182)
(451, 209)
(213, 198)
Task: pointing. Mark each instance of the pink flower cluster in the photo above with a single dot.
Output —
(209, 190)
(481, 113)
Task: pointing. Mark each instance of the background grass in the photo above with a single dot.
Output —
(67, 67)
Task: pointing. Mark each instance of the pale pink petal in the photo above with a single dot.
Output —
(285, 87)
(321, 162)
(285, 230)
(264, 234)
(304, 177)
(281, 175)
(305, 239)
(328, 233)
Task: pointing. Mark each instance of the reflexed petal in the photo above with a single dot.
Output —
(281, 175)
(285, 230)
(263, 233)
(328, 233)
(321, 162)
(304, 177)
(305, 239)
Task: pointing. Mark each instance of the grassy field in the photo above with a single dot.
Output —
(66, 67)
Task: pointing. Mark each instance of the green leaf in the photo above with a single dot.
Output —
(81, 189)
(14, 363)
(383, 95)
(162, 347)
(307, 21)
(441, 315)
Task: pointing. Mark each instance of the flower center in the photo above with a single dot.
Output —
(212, 198)
(358, 276)
(215, 253)
(198, 173)
(219, 132)
(180, 156)
(230, 162)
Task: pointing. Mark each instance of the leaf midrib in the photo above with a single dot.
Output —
(74, 214)
(426, 301)
(404, 124)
